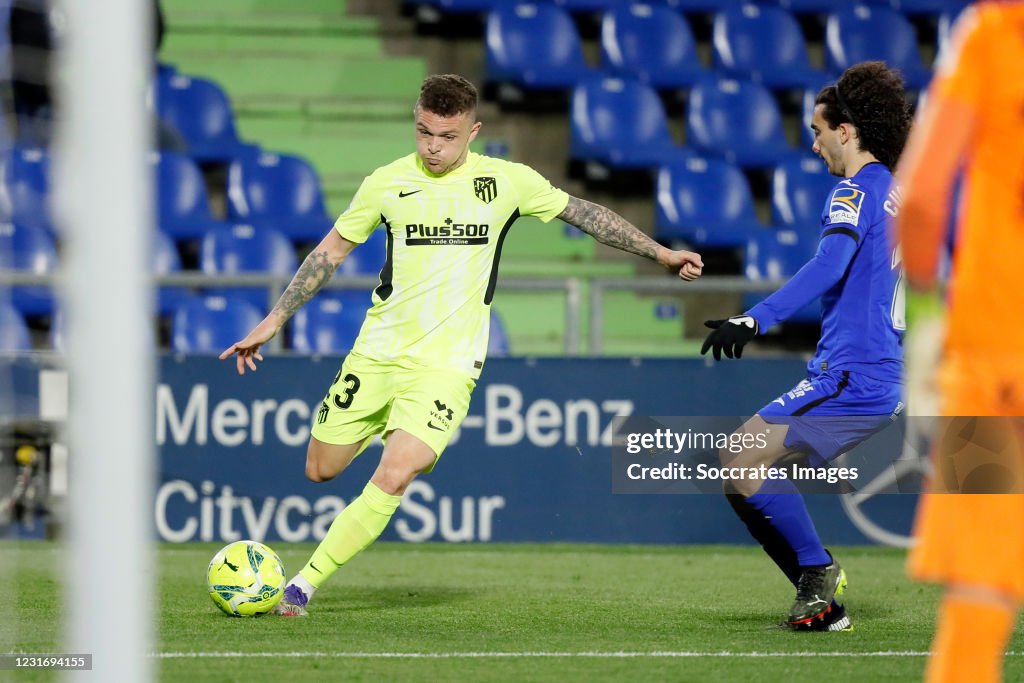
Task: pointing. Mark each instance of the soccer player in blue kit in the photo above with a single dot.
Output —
(860, 125)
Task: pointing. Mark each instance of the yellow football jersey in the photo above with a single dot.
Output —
(444, 237)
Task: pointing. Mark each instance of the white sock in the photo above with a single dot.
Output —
(300, 581)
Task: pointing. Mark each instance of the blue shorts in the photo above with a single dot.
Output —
(830, 413)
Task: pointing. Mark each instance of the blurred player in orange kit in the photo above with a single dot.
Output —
(972, 541)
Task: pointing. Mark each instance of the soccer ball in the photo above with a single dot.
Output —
(246, 579)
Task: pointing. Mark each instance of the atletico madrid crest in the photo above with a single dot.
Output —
(486, 189)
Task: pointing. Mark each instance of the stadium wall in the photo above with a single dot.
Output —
(531, 463)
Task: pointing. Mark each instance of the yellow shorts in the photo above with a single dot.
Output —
(370, 397)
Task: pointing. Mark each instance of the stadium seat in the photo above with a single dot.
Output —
(651, 43)
(698, 6)
(244, 248)
(946, 22)
(201, 112)
(58, 331)
(799, 190)
(164, 261)
(913, 7)
(775, 255)
(862, 33)
(809, 6)
(619, 123)
(211, 324)
(330, 323)
(738, 121)
(183, 211)
(26, 187)
(705, 202)
(763, 44)
(497, 341)
(29, 249)
(368, 258)
(581, 6)
(14, 334)
(278, 191)
(534, 46)
(807, 115)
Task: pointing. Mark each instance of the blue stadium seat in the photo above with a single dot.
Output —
(164, 261)
(737, 120)
(809, 6)
(652, 43)
(704, 202)
(581, 6)
(14, 334)
(210, 324)
(534, 46)
(699, 6)
(201, 112)
(497, 341)
(862, 33)
(279, 191)
(244, 248)
(778, 254)
(368, 258)
(58, 330)
(619, 123)
(183, 211)
(26, 187)
(330, 323)
(799, 190)
(947, 20)
(29, 249)
(913, 7)
(807, 115)
(763, 44)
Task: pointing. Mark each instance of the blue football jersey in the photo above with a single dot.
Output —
(862, 319)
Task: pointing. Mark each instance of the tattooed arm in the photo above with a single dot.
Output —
(610, 228)
(314, 272)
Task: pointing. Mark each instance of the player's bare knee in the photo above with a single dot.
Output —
(393, 480)
(741, 458)
(315, 473)
(747, 487)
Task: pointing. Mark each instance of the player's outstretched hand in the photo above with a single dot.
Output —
(247, 351)
(689, 263)
(729, 335)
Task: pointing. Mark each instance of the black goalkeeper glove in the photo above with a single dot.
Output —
(729, 335)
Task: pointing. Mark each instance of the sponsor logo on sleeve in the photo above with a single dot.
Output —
(844, 206)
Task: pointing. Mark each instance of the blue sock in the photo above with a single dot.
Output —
(783, 507)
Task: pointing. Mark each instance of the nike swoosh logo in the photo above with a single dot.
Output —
(406, 194)
(433, 426)
(314, 568)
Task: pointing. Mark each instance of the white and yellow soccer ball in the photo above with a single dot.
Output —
(246, 579)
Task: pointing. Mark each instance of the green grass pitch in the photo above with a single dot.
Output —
(556, 612)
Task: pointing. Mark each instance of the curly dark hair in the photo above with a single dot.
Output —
(447, 95)
(871, 96)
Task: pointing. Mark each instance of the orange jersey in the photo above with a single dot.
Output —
(974, 116)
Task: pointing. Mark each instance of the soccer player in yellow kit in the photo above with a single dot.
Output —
(422, 345)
